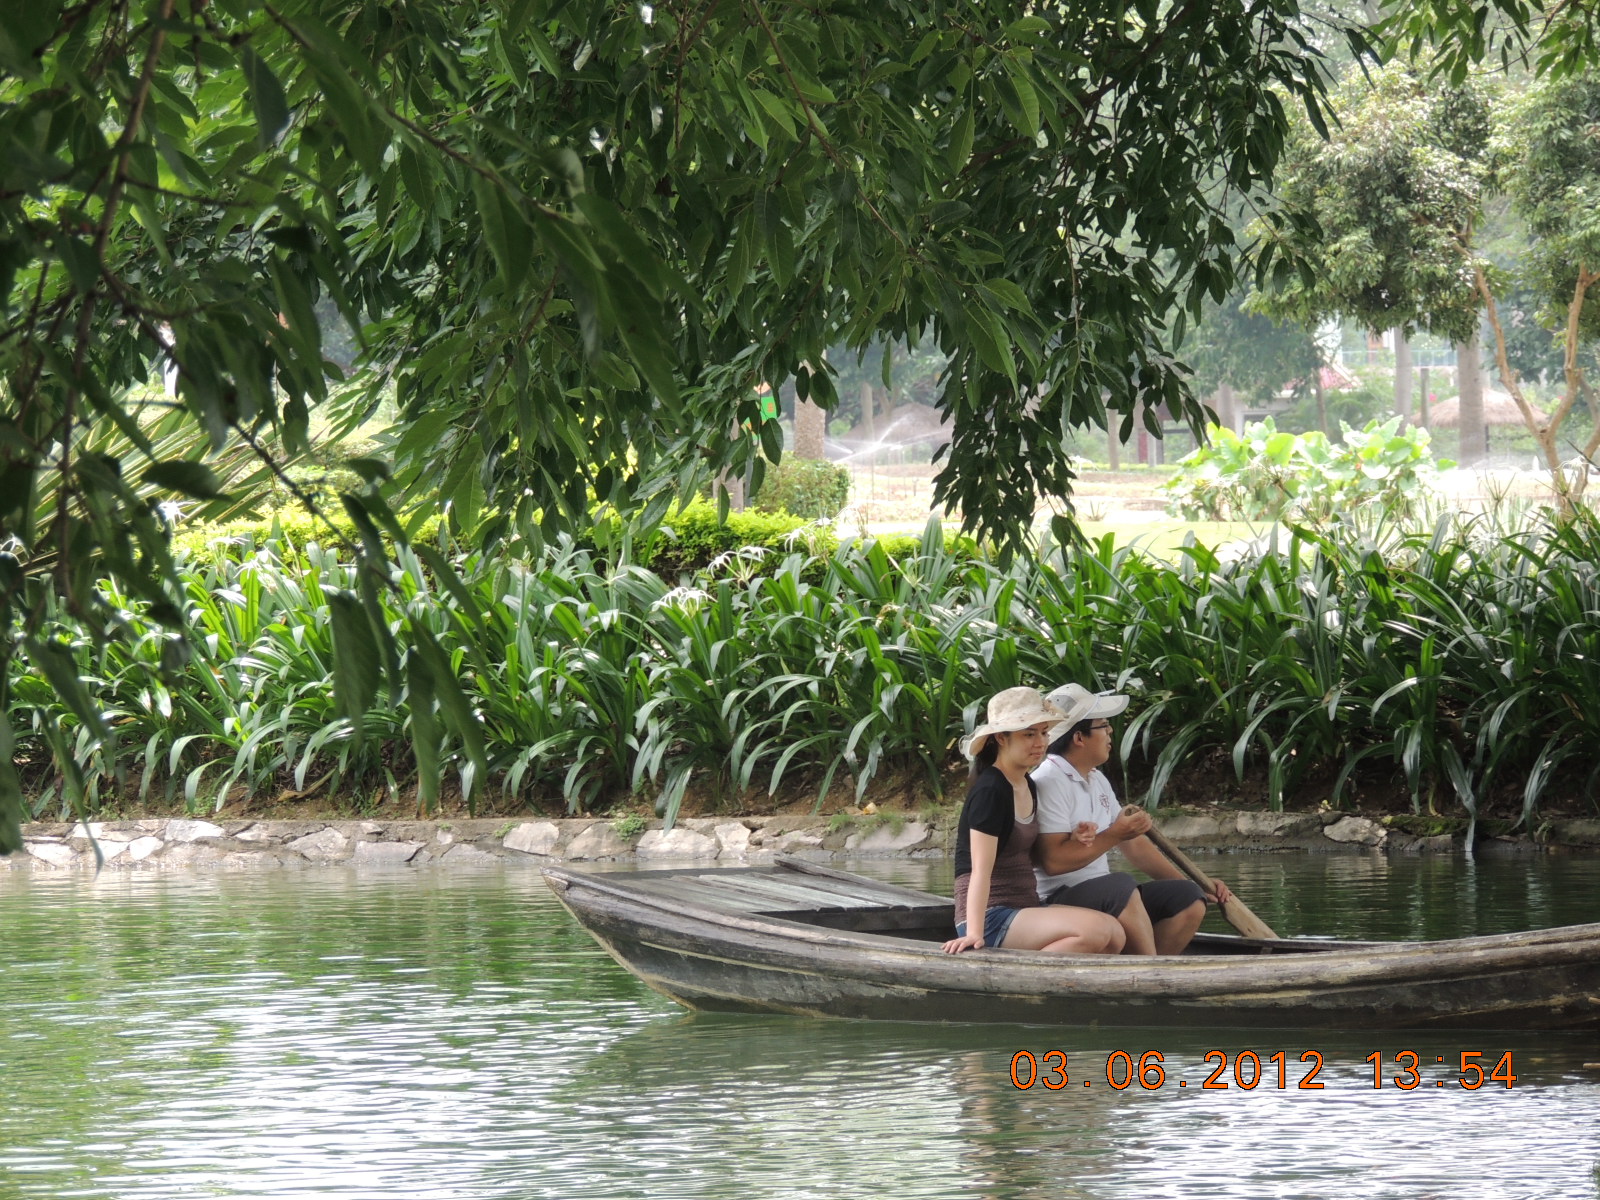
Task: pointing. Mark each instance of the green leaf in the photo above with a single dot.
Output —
(427, 735)
(1019, 99)
(454, 711)
(509, 237)
(1026, 28)
(349, 105)
(771, 432)
(180, 475)
(150, 221)
(371, 470)
(61, 669)
(12, 811)
(78, 256)
(782, 114)
(16, 490)
(416, 174)
(542, 49)
(294, 303)
(356, 661)
(634, 253)
(985, 334)
(613, 370)
(23, 29)
(960, 150)
(266, 97)
(1007, 295)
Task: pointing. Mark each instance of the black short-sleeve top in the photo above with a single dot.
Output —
(991, 809)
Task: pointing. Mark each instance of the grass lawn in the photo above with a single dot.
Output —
(1158, 536)
(1162, 538)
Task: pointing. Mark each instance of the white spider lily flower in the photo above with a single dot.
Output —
(684, 599)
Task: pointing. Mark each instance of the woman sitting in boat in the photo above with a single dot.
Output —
(996, 903)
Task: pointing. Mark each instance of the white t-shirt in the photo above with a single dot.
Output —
(1066, 799)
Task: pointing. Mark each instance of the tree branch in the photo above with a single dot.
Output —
(1569, 363)
(1544, 434)
(823, 140)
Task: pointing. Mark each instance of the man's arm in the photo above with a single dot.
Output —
(1141, 852)
(1059, 853)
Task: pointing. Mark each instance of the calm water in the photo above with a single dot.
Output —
(406, 1034)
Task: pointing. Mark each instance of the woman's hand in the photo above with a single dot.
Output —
(973, 941)
(1085, 832)
(1222, 894)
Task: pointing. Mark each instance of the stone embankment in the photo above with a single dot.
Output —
(244, 844)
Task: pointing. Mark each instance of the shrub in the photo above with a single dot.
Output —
(691, 538)
(628, 827)
(1268, 475)
(291, 525)
(1461, 661)
(803, 488)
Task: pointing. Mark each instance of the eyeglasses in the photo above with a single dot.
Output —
(1100, 726)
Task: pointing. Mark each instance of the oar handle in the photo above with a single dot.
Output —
(1235, 911)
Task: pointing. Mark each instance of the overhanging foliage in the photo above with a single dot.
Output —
(576, 235)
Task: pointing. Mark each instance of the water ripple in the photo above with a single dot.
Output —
(453, 1035)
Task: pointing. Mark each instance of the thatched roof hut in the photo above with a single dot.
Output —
(1498, 409)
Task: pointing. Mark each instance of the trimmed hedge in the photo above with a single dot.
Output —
(690, 539)
(292, 525)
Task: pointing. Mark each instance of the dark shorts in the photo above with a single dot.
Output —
(995, 924)
(1162, 898)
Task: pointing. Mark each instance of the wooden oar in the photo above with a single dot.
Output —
(1235, 912)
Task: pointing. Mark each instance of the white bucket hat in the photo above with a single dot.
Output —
(1078, 703)
(1013, 709)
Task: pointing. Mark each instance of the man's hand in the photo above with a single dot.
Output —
(1132, 822)
(1223, 895)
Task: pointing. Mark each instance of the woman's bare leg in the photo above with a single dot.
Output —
(1063, 929)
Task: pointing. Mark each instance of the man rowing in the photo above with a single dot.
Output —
(1080, 820)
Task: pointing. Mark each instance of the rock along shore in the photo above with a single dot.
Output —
(189, 843)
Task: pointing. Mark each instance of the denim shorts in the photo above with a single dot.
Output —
(995, 924)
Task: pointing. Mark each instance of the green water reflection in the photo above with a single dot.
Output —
(435, 1034)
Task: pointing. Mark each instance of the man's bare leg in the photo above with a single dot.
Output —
(1135, 922)
(1175, 933)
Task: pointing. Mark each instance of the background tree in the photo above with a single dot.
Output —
(1380, 217)
(1533, 348)
(912, 375)
(1237, 352)
(1548, 158)
(1459, 36)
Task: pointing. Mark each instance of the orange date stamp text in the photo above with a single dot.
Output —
(1246, 1070)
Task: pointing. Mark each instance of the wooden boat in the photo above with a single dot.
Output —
(799, 937)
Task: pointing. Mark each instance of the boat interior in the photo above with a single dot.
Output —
(813, 894)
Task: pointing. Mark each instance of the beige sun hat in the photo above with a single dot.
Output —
(1013, 709)
(1078, 703)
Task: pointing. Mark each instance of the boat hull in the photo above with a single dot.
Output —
(715, 961)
